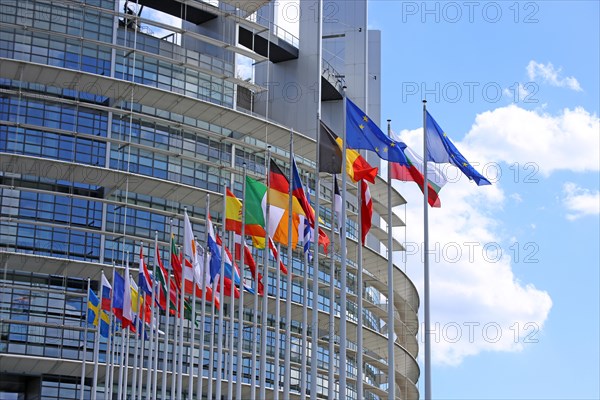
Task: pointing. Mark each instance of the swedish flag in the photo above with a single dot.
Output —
(95, 315)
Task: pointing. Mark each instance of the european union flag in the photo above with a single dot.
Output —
(363, 133)
(441, 150)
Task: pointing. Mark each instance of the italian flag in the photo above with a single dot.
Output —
(414, 172)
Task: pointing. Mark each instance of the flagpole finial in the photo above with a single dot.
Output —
(424, 101)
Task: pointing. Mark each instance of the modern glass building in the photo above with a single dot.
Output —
(116, 116)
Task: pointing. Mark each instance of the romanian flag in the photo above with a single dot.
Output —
(330, 158)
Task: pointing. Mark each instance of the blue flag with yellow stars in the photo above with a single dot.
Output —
(363, 133)
(441, 150)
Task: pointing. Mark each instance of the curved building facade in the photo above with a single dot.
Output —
(115, 117)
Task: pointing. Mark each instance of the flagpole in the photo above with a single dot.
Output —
(254, 315)
(427, 360)
(231, 310)
(315, 274)
(141, 303)
(288, 297)
(193, 326)
(331, 335)
(203, 310)
(181, 326)
(359, 306)
(265, 310)
(126, 366)
(163, 391)
(343, 272)
(175, 319)
(85, 332)
(134, 375)
(240, 348)
(390, 323)
(303, 371)
(153, 356)
(108, 383)
(277, 332)
(97, 344)
(220, 357)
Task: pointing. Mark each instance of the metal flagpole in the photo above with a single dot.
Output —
(112, 342)
(231, 315)
(390, 322)
(126, 368)
(175, 325)
(315, 274)
(303, 373)
(277, 333)
(265, 309)
(165, 364)
(181, 328)
(136, 342)
(344, 278)
(85, 332)
(427, 360)
(142, 306)
(240, 341)
(359, 305)
(331, 333)
(288, 298)
(192, 347)
(218, 389)
(97, 345)
(255, 315)
(154, 338)
(203, 311)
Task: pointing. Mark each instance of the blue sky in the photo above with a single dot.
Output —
(532, 296)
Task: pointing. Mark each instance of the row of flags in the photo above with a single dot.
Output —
(200, 272)
(361, 134)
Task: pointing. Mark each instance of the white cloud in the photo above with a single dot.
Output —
(580, 202)
(550, 75)
(517, 95)
(538, 141)
(516, 197)
(477, 303)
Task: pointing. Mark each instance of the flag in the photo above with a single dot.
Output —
(162, 275)
(308, 233)
(176, 262)
(105, 293)
(413, 171)
(330, 153)
(93, 308)
(118, 291)
(441, 150)
(127, 301)
(189, 257)
(337, 203)
(330, 148)
(363, 133)
(96, 315)
(214, 247)
(256, 204)
(145, 282)
(233, 217)
(249, 261)
(275, 253)
(366, 209)
(302, 196)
